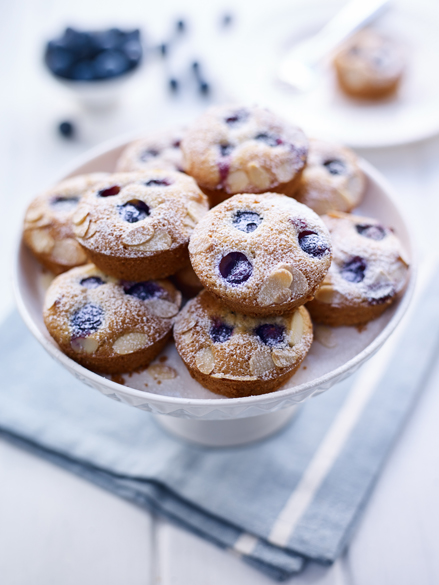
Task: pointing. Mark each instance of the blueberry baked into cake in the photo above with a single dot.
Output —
(278, 249)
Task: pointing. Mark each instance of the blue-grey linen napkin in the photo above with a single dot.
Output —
(279, 503)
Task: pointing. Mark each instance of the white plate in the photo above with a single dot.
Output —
(248, 70)
(182, 396)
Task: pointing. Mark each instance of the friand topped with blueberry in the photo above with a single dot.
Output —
(236, 149)
(235, 354)
(261, 254)
(160, 150)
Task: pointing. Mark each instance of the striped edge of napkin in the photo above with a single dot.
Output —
(318, 517)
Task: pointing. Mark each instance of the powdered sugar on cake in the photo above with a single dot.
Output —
(226, 345)
(243, 150)
(369, 263)
(48, 229)
(158, 150)
(280, 274)
(117, 316)
(332, 179)
(137, 214)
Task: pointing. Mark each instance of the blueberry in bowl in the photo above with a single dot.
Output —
(92, 62)
(93, 55)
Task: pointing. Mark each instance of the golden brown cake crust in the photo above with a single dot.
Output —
(48, 230)
(137, 225)
(162, 264)
(108, 325)
(368, 271)
(290, 189)
(234, 149)
(237, 355)
(187, 281)
(347, 315)
(279, 274)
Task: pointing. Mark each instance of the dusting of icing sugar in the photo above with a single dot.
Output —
(158, 150)
(162, 372)
(49, 219)
(249, 347)
(264, 149)
(174, 203)
(272, 249)
(325, 336)
(127, 322)
(364, 269)
(325, 191)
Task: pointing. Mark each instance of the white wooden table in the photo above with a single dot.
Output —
(57, 529)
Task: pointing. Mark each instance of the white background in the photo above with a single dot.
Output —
(57, 529)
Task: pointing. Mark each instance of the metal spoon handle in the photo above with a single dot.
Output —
(353, 16)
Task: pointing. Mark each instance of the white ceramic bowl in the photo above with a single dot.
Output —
(184, 398)
(96, 94)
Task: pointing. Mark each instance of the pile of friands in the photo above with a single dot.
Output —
(277, 246)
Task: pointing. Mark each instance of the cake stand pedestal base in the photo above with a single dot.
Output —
(227, 433)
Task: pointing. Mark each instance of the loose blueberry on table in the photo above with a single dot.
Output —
(173, 84)
(66, 129)
(204, 87)
(226, 20)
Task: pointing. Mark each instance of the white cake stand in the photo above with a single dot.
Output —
(181, 405)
